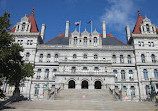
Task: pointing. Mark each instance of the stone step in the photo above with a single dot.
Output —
(84, 94)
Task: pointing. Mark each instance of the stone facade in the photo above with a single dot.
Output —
(93, 61)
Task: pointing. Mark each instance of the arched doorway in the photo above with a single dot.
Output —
(97, 85)
(84, 84)
(71, 84)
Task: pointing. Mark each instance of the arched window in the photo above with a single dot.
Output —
(145, 73)
(96, 69)
(56, 58)
(23, 27)
(48, 57)
(75, 40)
(73, 70)
(41, 58)
(147, 27)
(46, 76)
(130, 74)
(115, 73)
(153, 58)
(85, 56)
(95, 41)
(132, 92)
(27, 56)
(85, 69)
(129, 59)
(156, 73)
(38, 74)
(143, 58)
(85, 40)
(121, 59)
(123, 75)
(74, 56)
(114, 58)
(95, 56)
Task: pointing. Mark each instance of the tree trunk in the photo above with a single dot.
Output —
(16, 92)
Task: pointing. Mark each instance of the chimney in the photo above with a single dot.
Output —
(127, 32)
(43, 31)
(67, 29)
(104, 29)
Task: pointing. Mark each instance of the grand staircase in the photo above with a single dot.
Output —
(79, 100)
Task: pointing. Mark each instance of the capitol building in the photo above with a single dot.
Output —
(74, 60)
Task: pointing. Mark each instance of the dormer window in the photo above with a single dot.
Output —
(17, 27)
(147, 27)
(95, 41)
(75, 40)
(85, 40)
(23, 27)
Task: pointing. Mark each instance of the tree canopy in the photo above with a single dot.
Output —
(13, 69)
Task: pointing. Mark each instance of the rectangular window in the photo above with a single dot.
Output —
(39, 74)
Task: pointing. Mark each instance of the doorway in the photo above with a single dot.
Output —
(71, 84)
(84, 84)
(97, 85)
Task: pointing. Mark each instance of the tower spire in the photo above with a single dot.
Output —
(138, 12)
(33, 10)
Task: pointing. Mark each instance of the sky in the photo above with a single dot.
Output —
(54, 13)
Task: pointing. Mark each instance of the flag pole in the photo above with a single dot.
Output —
(91, 26)
(79, 27)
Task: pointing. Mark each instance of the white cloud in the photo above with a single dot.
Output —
(3, 4)
(119, 14)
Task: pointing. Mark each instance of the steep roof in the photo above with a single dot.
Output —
(32, 20)
(62, 40)
(136, 29)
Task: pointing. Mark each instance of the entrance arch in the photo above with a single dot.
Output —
(97, 85)
(71, 84)
(84, 84)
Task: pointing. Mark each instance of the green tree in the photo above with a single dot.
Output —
(13, 69)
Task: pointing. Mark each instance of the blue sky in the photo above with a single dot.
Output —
(54, 13)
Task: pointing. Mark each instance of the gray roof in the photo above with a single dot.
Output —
(59, 40)
(62, 40)
(112, 41)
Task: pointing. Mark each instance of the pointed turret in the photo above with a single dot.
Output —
(136, 29)
(34, 27)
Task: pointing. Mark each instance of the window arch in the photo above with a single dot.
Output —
(95, 56)
(74, 56)
(75, 40)
(23, 27)
(41, 58)
(85, 56)
(27, 56)
(121, 59)
(38, 74)
(115, 73)
(147, 27)
(129, 59)
(95, 41)
(73, 70)
(143, 58)
(130, 74)
(153, 58)
(123, 75)
(56, 58)
(114, 58)
(85, 40)
(156, 73)
(145, 73)
(48, 57)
